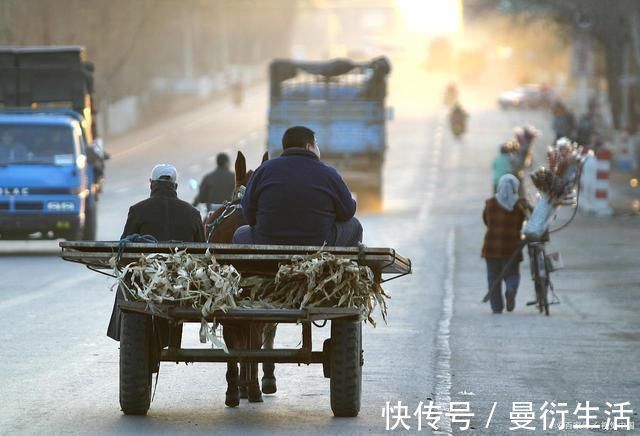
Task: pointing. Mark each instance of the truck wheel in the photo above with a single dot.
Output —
(346, 367)
(135, 363)
(90, 224)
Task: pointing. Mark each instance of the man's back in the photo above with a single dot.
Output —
(296, 199)
(216, 187)
(165, 217)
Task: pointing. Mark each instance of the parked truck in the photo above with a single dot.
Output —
(344, 103)
(51, 159)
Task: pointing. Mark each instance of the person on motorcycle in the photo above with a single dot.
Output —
(450, 94)
(458, 120)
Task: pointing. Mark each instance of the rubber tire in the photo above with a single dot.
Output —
(346, 367)
(541, 296)
(90, 223)
(135, 363)
(326, 358)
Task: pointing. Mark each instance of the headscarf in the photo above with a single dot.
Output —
(507, 192)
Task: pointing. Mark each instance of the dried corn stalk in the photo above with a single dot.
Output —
(179, 277)
(317, 280)
(320, 280)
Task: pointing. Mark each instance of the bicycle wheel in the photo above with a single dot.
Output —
(542, 282)
(542, 290)
(545, 300)
(540, 275)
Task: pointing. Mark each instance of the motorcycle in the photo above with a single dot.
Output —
(458, 121)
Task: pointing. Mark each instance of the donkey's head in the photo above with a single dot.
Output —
(242, 175)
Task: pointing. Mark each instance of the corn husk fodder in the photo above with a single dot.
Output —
(318, 280)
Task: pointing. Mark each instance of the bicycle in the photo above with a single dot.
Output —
(541, 267)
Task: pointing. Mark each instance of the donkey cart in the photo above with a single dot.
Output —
(140, 354)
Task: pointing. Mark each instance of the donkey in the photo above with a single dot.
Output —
(220, 226)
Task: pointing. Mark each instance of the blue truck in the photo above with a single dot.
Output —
(344, 103)
(51, 160)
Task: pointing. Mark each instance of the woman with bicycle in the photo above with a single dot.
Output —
(503, 215)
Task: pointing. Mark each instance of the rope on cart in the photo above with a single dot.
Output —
(134, 237)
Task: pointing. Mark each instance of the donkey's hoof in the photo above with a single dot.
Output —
(232, 399)
(269, 385)
(255, 396)
(244, 392)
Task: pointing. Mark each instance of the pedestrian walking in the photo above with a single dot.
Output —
(502, 164)
(503, 216)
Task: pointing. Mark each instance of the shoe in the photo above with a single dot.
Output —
(497, 312)
(511, 301)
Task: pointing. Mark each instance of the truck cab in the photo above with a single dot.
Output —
(46, 180)
(51, 159)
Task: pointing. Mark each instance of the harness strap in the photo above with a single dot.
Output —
(229, 209)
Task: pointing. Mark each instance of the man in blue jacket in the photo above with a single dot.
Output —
(296, 199)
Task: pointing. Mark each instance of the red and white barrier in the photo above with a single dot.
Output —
(594, 184)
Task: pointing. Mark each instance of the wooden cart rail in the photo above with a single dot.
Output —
(254, 259)
(189, 314)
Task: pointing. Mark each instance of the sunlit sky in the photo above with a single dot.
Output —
(432, 16)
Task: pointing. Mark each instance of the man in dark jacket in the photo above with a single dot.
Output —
(217, 186)
(165, 217)
(296, 199)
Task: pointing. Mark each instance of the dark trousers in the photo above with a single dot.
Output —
(345, 234)
(511, 280)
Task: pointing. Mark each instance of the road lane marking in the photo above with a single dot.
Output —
(434, 169)
(443, 347)
(118, 154)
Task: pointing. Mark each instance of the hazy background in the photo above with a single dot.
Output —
(155, 57)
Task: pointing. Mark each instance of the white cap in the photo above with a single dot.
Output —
(164, 172)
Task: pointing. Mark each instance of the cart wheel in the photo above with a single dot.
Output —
(346, 367)
(326, 358)
(135, 363)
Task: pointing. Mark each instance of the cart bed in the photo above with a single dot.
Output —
(247, 259)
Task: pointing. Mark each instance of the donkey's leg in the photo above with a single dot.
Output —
(268, 368)
(232, 397)
(243, 383)
(255, 343)
(242, 339)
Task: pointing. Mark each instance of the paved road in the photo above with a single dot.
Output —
(59, 373)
